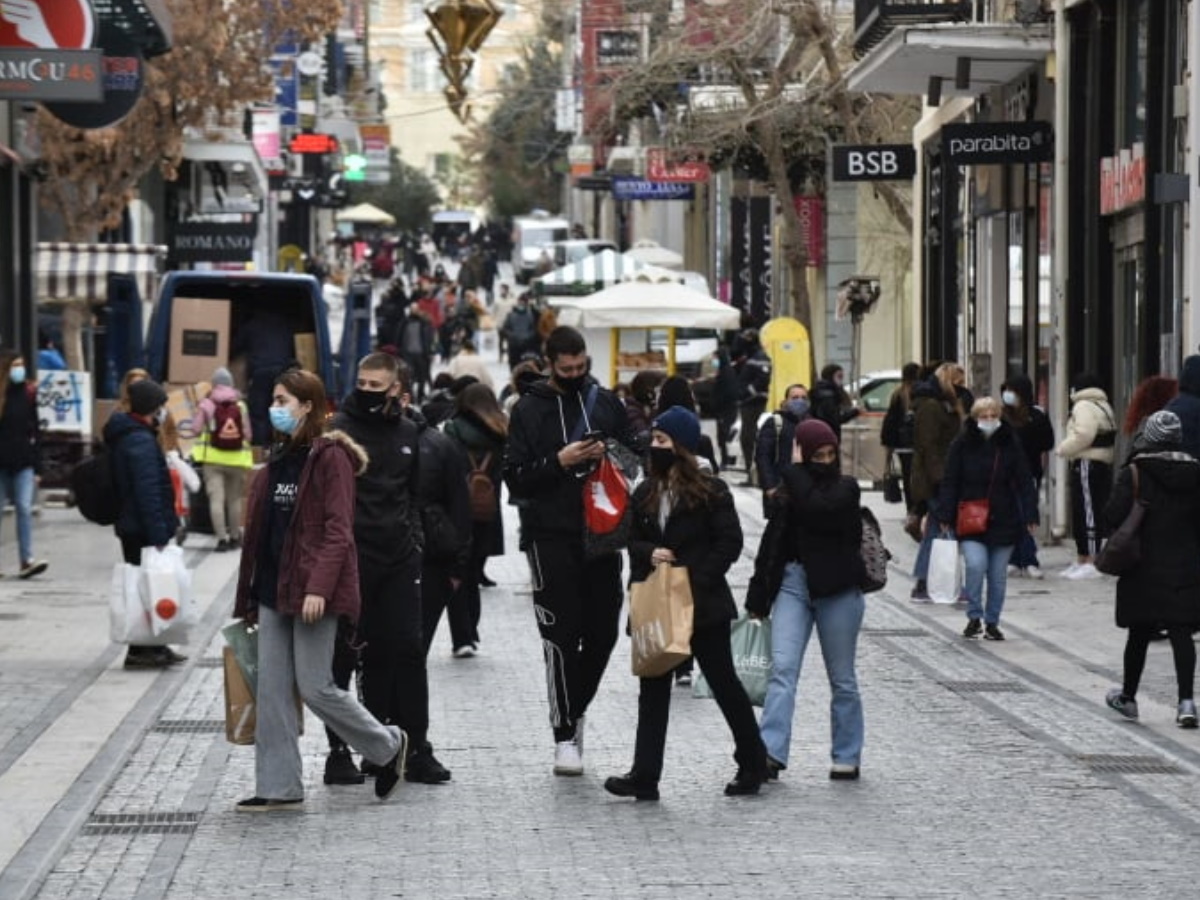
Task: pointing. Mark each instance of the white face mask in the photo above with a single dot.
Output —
(1009, 398)
(988, 427)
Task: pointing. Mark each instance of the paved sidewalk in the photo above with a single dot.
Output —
(992, 770)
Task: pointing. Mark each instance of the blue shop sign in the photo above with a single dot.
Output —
(641, 189)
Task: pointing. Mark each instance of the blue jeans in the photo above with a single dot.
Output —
(921, 565)
(838, 619)
(982, 559)
(18, 486)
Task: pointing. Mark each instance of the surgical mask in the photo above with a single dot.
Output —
(988, 427)
(571, 385)
(373, 402)
(797, 409)
(17, 374)
(661, 460)
(1009, 398)
(282, 419)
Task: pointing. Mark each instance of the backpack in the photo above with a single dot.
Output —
(874, 554)
(95, 488)
(227, 432)
(481, 491)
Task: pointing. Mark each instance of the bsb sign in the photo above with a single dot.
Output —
(874, 162)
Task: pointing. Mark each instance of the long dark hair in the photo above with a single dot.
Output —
(307, 388)
(477, 401)
(690, 485)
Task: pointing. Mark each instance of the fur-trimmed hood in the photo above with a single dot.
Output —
(335, 437)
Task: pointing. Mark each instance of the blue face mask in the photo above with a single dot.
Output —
(283, 420)
(17, 374)
(797, 409)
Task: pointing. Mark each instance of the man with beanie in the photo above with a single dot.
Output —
(387, 534)
(1186, 405)
(222, 429)
(556, 438)
(144, 491)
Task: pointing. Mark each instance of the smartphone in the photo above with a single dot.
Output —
(593, 436)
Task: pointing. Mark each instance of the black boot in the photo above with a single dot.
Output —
(340, 768)
(629, 785)
(744, 783)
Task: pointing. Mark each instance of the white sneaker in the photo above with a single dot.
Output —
(466, 651)
(1085, 572)
(1069, 571)
(567, 758)
(1015, 572)
(1035, 573)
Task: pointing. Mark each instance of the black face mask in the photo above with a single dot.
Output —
(661, 460)
(571, 385)
(374, 403)
(823, 470)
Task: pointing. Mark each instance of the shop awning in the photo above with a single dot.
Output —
(905, 61)
(67, 271)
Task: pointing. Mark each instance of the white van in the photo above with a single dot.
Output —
(529, 236)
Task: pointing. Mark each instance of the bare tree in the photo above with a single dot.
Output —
(215, 69)
(760, 85)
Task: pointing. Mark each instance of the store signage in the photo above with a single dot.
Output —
(286, 90)
(308, 142)
(751, 255)
(41, 75)
(213, 241)
(377, 146)
(122, 79)
(874, 162)
(618, 48)
(265, 132)
(991, 143)
(659, 167)
(47, 24)
(642, 189)
(811, 211)
(1123, 180)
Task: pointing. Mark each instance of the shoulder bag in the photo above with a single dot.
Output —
(1123, 550)
(972, 518)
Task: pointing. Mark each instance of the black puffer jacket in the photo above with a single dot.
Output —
(550, 497)
(442, 499)
(1164, 589)
(143, 483)
(386, 526)
(994, 468)
(706, 539)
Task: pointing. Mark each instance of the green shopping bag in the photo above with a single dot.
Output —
(750, 641)
(243, 640)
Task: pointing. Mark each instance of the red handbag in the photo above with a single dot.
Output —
(973, 515)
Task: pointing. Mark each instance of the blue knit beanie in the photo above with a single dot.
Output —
(681, 426)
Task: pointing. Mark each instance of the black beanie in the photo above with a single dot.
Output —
(145, 397)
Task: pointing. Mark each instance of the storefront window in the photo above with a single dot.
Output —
(1133, 100)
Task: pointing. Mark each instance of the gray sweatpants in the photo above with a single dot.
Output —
(292, 653)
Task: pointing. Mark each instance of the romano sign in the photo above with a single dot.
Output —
(213, 242)
(38, 75)
(992, 143)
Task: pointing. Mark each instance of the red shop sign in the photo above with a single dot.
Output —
(811, 211)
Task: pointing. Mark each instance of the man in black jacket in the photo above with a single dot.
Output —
(754, 382)
(556, 438)
(387, 532)
(830, 402)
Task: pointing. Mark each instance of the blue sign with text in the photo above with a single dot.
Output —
(641, 189)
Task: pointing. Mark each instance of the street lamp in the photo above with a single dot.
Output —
(459, 28)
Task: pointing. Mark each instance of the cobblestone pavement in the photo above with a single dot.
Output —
(991, 770)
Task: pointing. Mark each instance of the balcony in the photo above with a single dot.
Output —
(874, 20)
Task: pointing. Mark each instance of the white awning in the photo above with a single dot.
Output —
(907, 58)
(67, 271)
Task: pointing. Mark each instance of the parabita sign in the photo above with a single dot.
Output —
(991, 143)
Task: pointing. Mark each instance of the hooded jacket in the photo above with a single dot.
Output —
(142, 481)
(550, 498)
(319, 555)
(1186, 405)
(386, 526)
(1036, 434)
(1092, 421)
(936, 424)
(994, 469)
(1164, 588)
(831, 404)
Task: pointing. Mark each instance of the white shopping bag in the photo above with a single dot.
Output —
(944, 572)
(167, 589)
(129, 620)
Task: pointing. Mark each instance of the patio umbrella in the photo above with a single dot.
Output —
(633, 304)
(654, 254)
(366, 214)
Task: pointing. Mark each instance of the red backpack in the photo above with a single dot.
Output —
(227, 432)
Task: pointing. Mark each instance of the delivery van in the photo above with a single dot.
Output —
(253, 323)
(530, 235)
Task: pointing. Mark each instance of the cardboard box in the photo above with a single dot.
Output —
(306, 351)
(182, 402)
(199, 339)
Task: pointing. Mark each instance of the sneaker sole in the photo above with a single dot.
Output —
(1188, 723)
(275, 806)
(399, 768)
(568, 771)
(37, 569)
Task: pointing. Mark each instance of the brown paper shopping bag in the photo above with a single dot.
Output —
(660, 621)
(239, 702)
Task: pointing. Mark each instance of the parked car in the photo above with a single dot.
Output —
(863, 456)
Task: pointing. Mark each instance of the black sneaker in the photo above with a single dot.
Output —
(223, 546)
(369, 769)
(172, 658)
(340, 768)
(262, 804)
(628, 785)
(393, 773)
(974, 629)
(993, 633)
(145, 658)
(32, 567)
(424, 768)
(843, 772)
(744, 784)
(774, 767)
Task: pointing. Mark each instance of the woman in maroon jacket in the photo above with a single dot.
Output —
(299, 575)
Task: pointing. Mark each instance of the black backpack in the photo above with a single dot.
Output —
(95, 488)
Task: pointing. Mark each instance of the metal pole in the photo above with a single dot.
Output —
(1058, 374)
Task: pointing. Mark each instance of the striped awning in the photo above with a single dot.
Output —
(586, 276)
(67, 271)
